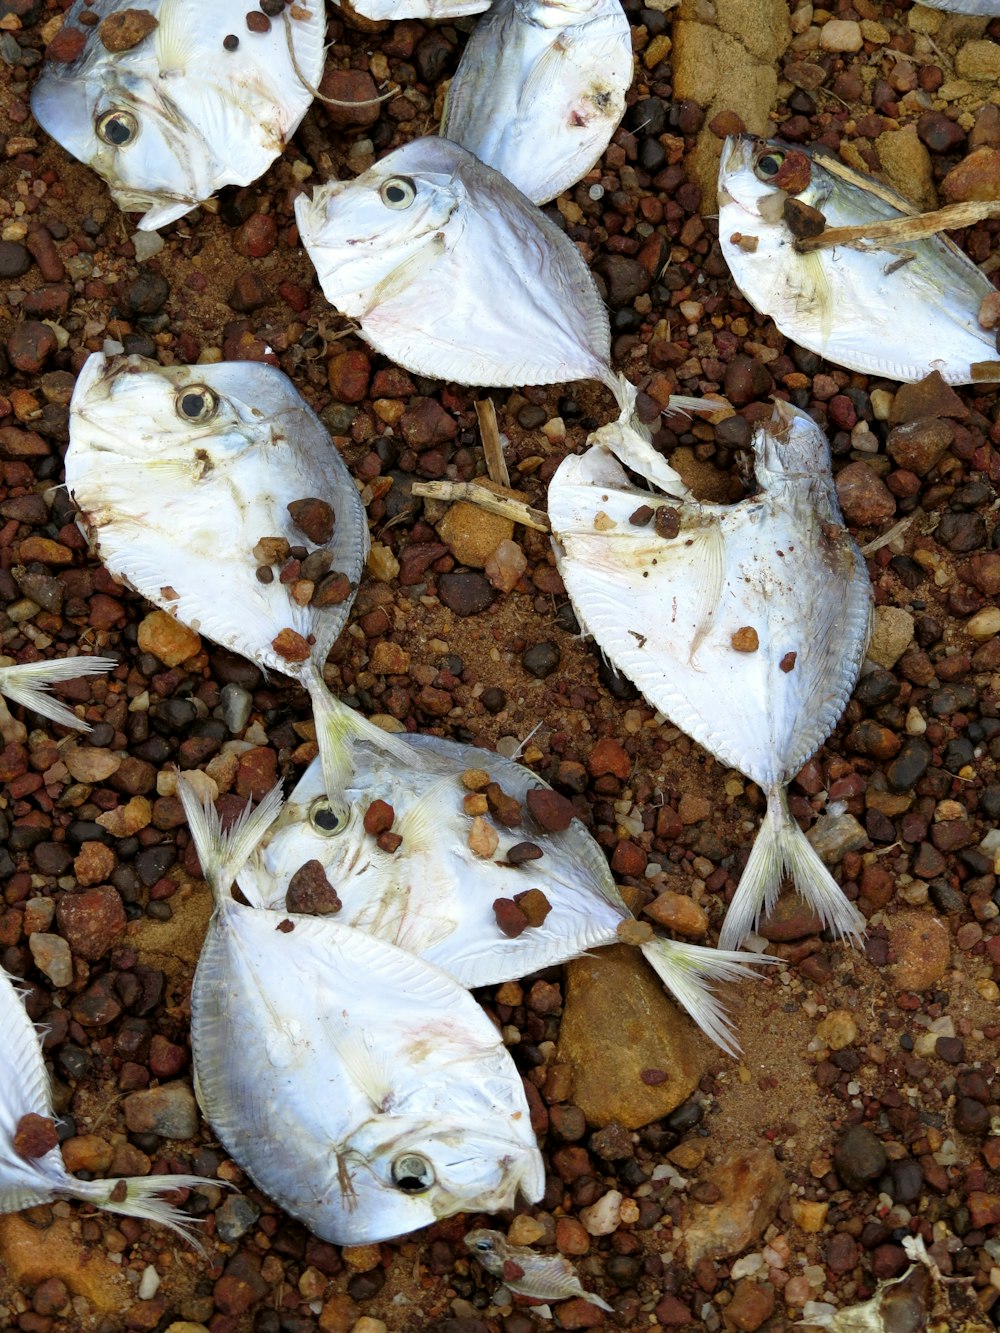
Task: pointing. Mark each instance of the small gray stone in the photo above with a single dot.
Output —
(833, 836)
(236, 705)
(169, 1111)
(235, 1217)
(858, 1157)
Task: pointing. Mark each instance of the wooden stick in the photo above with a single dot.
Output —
(516, 510)
(898, 230)
(489, 433)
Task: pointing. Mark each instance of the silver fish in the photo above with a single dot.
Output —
(435, 895)
(180, 471)
(183, 111)
(364, 1090)
(546, 1277)
(987, 8)
(540, 90)
(442, 10)
(28, 683)
(27, 1179)
(452, 272)
(747, 628)
(900, 311)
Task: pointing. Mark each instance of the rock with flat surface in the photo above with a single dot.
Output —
(751, 1186)
(634, 1056)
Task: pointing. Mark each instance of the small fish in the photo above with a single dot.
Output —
(195, 100)
(452, 272)
(899, 311)
(28, 683)
(540, 90)
(745, 624)
(434, 896)
(441, 10)
(31, 1166)
(364, 1090)
(545, 1277)
(190, 482)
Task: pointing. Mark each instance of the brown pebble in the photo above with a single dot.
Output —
(389, 842)
(504, 809)
(654, 1077)
(745, 640)
(534, 905)
(794, 173)
(291, 646)
(787, 663)
(802, 220)
(127, 28)
(310, 893)
(641, 516)
(475, 803)
(552, 812)
(379, 817)
(258, 22)
(66, 45)
(231, 41)
(510, 918)
(667, 522)
(271, 551)
(475, 779)
(332, 590)
(315, 518)
(35, 1136)
(285, 927)
(522, 852)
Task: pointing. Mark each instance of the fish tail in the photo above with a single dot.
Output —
(224, 853)
(143, 1197)
(781, 847)
(337, 728)
(596, 1300)
(690, 970)
(28, 683)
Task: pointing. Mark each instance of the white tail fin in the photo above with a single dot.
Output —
(142, 1196)
(337, 726)
(223, 854)
(28, 683)
(782, 848)
(689, 970)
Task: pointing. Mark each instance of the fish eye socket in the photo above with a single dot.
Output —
(768, 165)
(412, 1173)
(398, 192)
(325, 819)
(117, 128)
(484, 1246)
(197, 403)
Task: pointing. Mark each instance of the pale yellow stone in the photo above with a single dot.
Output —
(525, 1230)
(688, 1156)
(127, 819)
(984, 624)
(837, 1030)
(978, 60)
(167, 639)
(657, 50)
(361, 1258)
(892, 634)
(906, 164)
(483, 838)
(382, 564)
(809, 1215)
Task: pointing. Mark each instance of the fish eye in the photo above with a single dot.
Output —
(484, 1246)
(325, 819)
(412, 1173)
(398, 192)
(197, 403)
(118, 128)
(767, 166)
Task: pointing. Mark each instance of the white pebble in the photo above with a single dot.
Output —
(602, 1217)
(149, 1283)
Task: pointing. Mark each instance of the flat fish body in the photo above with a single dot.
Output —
(901, 311)
(435, 896)
(745, 624)
(442, 10)
(183, 109)
(363, 1089)
(987, 8)
(179, 472)
(451, 272)
(540, 90)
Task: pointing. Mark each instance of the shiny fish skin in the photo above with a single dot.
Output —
(987, 8)
(844, 303)
(440, 10)
(334, 1066)
(540, 90)
(434, 896)
(203, 116)
(25, 1182)
(174, 507)
(452, 272)
(545, 1277)
(665, 611)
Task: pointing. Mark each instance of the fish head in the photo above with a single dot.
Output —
(790, 448)
(487, 1247)
(314, 828)
(135, 408)
(555, 13)
(425, 1173)
(364, 235)
(757, 175)
(128, 128)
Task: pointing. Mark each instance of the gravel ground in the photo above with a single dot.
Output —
(689, 1189)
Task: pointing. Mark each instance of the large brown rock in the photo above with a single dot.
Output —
(634, 1055)
(922, 947)
(750, 1186)
(90, 922)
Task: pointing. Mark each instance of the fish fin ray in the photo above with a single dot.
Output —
(689, 970)
(223, 854)
(28, 683)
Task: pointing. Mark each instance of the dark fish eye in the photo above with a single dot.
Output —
(484, 1246)
(768, 165)
(197, 403)
(117, 128)
(325, 819)
(398, 192)
(412, 1173)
